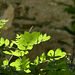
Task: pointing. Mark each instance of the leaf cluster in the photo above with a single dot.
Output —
(55, 62)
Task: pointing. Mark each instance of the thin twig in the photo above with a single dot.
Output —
(20, 58)
(30, 29)
(10, 58)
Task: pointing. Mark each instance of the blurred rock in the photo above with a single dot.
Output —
(8, 14)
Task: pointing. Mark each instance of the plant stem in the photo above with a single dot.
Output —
(30, 29)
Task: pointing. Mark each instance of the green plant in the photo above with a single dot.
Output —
(55, 63)
(2, 22)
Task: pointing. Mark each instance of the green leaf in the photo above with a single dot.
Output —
(1, 41)
(61, 63)
(45, 37)
(3, 27)
(26, 36)
(26, 52)
(25, 62)
(16, 53)
(2, 22)
(16, 64)
(11, 44)
(36, 61)
(27, 71)
(24, 59)
(32, 42)
(29, 47)
(21, 47)
(22, 53)
(18, 36)
(58, 52)
(43, 57)
(35, 35)
(22, 42)
(50, 53)
(7, 52)
(63, 54)
(40, 39)
(6, 42)
(5, 62)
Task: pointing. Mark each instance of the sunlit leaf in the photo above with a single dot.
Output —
(43, 57)
(50, 53)
(40, 39)
(5, 62)
(6, 42)
(18, 36)
(57, 55)
(16, 53)
(26, 52)
(26, 36)
(21, 47)
(7, 52)
(16, 64)
(35, 35)
(25, 62)
(45, 37)
(29, 47)
(22, 53)
(27, 71)
(58, 52)
(11, 44)
(36, 61)
(2, 41)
